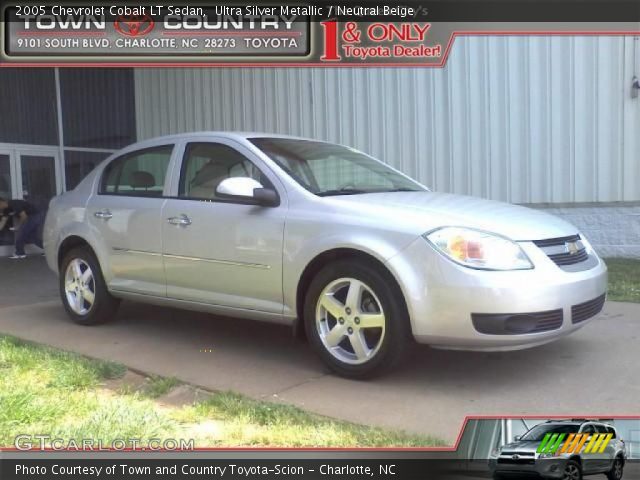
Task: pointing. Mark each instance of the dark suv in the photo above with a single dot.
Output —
(525, 455)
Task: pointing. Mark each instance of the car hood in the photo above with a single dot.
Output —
(426, 211)
(521, 446)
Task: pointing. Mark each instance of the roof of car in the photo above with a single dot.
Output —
(578, 421)
(227, 134)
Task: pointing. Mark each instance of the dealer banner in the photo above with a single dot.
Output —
(286, 34)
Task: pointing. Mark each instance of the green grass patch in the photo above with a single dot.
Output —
(624, 279)
(159, 386)
(63, 395)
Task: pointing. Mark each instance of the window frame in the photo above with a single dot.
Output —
(237, 201)
(121, 159)
(589, 425)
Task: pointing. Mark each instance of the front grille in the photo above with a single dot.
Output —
(557, 250)
(517, 323)
(553, 242)
(562, 259)
(519, 461)
(586, 310)
(550, 320)
(522, 454)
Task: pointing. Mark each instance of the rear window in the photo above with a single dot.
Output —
(138, 174)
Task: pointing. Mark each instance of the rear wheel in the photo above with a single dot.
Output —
(355, 319)
(617, 469)
(83, 290)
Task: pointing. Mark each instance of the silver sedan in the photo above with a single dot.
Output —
(352, 253)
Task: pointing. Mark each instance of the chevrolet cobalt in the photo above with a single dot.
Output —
(359, 257)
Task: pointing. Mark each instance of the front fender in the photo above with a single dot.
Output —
(298, 255)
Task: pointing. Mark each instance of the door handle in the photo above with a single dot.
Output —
(181, 221)
(104, 214)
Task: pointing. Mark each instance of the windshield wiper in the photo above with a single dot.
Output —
(341, 191)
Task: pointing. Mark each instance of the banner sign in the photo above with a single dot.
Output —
(288, 34)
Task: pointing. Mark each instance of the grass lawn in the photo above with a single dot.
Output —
(44, 391)
(624, 279)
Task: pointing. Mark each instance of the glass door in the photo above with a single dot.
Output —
(39, 178)
(32, 173)
(6, 191)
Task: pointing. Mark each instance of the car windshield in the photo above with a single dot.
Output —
(537, 433)
(327, 169)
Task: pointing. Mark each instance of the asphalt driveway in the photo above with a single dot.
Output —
(593, 372)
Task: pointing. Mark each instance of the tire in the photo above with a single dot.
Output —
(617, 470)
(572, 471)
(77, 294)
(369, 332)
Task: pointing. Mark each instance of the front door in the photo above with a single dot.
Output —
(217, 251)
(126, 214)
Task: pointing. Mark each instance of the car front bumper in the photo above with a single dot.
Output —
(442, 296)
(543, 467)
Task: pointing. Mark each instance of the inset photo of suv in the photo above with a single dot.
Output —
(563, 449)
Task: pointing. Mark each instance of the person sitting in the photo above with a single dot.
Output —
(27, 223)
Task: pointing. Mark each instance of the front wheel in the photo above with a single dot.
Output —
(83, 290)
(572, 471)
(355, 319)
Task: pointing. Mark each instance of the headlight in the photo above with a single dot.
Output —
(495, 452)
(546, 455)
(478, 249)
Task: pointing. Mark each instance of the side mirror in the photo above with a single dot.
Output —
(249, 190)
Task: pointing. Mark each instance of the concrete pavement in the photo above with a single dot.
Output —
(593, 372)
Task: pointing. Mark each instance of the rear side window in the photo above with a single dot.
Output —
(138, 174)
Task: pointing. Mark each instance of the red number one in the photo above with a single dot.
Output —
(330, 41)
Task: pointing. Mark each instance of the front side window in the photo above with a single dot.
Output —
(138, 174)
(206, 165)
(327, 169)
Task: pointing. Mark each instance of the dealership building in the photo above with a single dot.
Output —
(550, 122)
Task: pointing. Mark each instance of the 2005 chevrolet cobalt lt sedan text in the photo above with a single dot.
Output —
(322, 236)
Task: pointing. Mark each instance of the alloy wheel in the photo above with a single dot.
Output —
(617, 469)
(350, 321)
(572, 472)
(80, 286)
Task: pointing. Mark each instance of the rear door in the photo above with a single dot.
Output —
(589, 460)
(219, 251)
(605, 458)
(126, 215)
